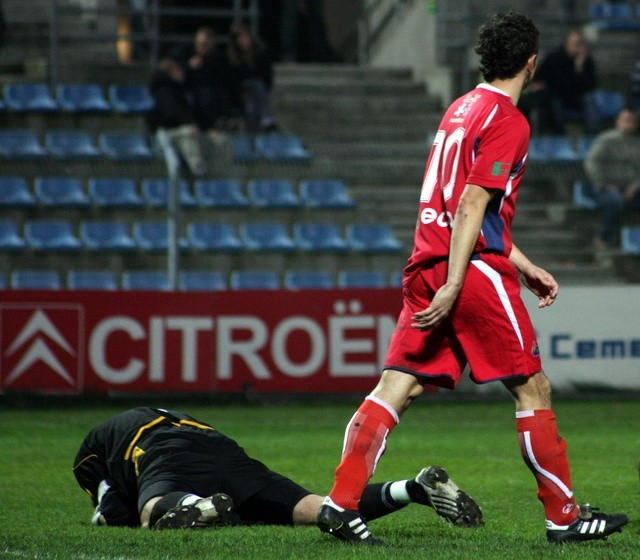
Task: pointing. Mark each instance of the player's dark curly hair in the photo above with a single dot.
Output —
(505, 43)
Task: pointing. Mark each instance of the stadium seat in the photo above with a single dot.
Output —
(125, 146)
(361, 279)
(266, 236)
(10, 238)
(244, 150)
(583, 196)
(15, 192)
(319, 237)
(155, 280)
(60, 191)
(372, 238)
(220, 193)
(114, 192)
(155, 193)
(91, 280)
(326, 194)
(630, 239)
(131, 99)
(82, 98)
(71, 144)
(105, 235)
(608, 103)
(213, 236)
(282, 148)
(21, 143)
(24, 97)
(395, 281)
(272, 193)
(3, 282)
(151, 235)
(583, 145)
(201, 281)
(613, 16)
(552, 149)
(308, 279)
(35, 280)
(51, 235)
(254, 280)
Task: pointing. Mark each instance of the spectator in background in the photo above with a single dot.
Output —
(251, 78)
(613, 167)
(207, 80)
(563, 88)
(173, 113)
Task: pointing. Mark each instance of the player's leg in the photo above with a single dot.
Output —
(364, 443)
(545, 453)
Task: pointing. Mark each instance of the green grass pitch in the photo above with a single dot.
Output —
(45, 515)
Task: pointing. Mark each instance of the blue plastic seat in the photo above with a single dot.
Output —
(583, 195)
(244, 150)
(630, 239)
(154, 280)
(125, 146)
(613, 16)
(395, 281)
(130, 99)
(25, 97)
(21, 143)
(266, 236)
(10, 238)
(155, 193)
(82, 98)
(319, 237)
(608, 103)
(114, 192)
(92, 280)
(71, 144)
(35, 280)
(372, 238)
(151, 235)
(51, 235)
(201, 281)
(361, 279)
(15, 192)
(282, 148)
(272, 193)
(308, 280)
(254, 280)
(552, 149)
(326, 194)
(106, 235)
(213, 236)
(60, 191)
(220, 193)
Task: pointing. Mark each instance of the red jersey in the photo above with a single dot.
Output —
(483, 140)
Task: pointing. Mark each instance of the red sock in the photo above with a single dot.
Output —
(545, 453)
(364, 443)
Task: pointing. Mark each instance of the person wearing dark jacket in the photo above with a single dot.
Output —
(174, 114)
(251, 78)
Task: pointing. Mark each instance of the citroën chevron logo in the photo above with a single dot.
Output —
(40, 348)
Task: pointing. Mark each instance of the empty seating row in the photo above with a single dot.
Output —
(75, 144)
(615, 16)
(197, 280)
(77, 98)
(154, 192)
(113, 235)
(274, 147)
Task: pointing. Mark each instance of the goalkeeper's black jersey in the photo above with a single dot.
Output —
(112, 449)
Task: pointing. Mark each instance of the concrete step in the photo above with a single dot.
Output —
(344, 72)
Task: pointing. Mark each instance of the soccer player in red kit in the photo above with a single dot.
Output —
(461, 296)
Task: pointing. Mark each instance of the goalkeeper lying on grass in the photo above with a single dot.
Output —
(163, 469)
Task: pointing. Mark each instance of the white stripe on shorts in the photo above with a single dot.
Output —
(496, 280)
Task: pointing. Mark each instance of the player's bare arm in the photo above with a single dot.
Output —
(536, 279)
(466, 228)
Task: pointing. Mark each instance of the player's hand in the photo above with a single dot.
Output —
(541, 283)
(438, 310)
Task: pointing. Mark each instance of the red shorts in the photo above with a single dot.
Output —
(489, 327)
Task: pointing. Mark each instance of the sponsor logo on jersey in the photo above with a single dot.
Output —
(40, 348)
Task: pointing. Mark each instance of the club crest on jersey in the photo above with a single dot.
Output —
(465, 106)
